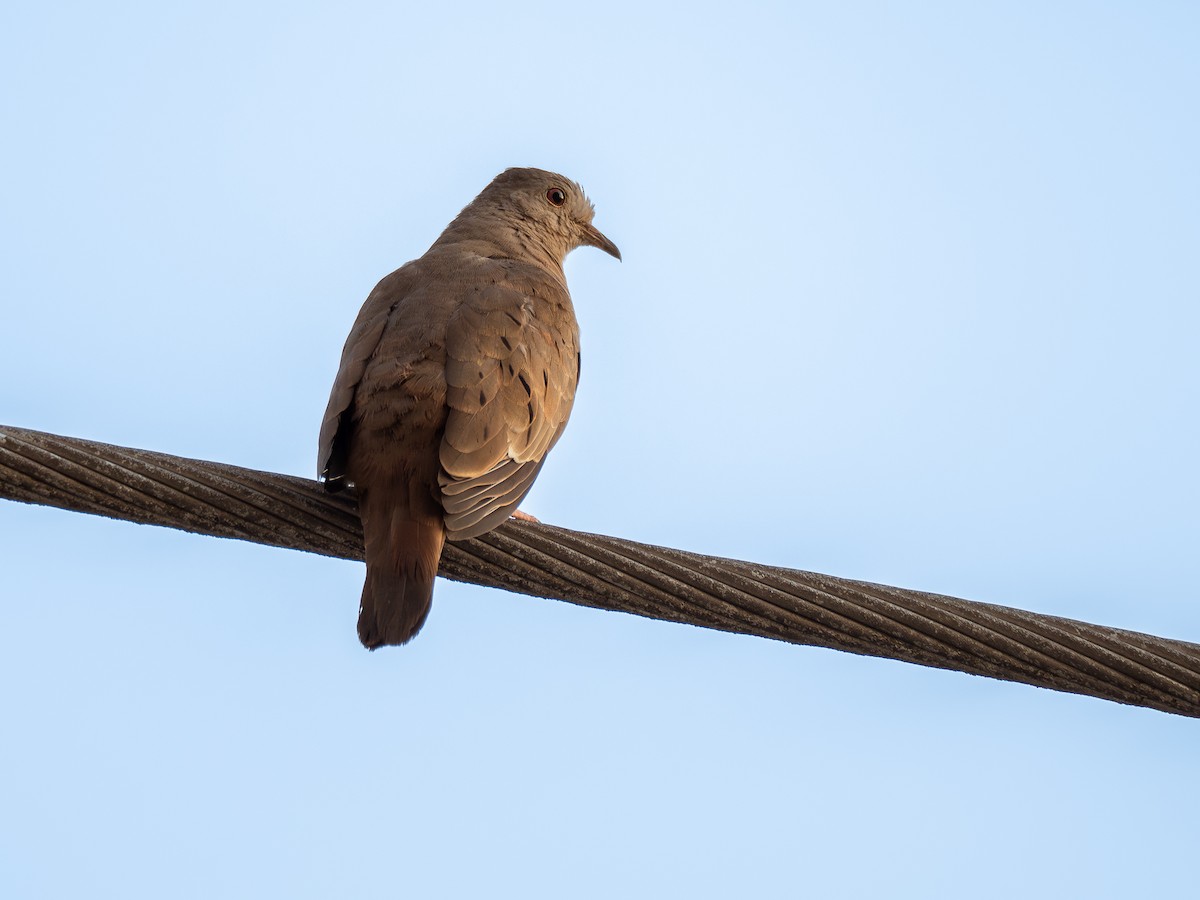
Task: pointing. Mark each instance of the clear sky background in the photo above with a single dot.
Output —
(910, 294)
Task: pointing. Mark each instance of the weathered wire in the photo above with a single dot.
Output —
(614, 574)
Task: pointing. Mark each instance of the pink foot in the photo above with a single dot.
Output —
(525, 517)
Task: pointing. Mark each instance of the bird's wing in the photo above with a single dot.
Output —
(512, 364)
(360, 345)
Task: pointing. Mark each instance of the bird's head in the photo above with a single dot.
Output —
(544, 208)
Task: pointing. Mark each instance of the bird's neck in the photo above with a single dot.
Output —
(501, 235)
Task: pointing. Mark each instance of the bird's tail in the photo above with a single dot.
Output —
(403, 545)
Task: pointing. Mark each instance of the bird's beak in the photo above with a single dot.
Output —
(593, 238)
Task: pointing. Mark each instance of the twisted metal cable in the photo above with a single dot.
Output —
(615, 574)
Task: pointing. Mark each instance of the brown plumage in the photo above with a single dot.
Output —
(456, 380)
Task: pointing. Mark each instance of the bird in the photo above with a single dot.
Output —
(456, 380)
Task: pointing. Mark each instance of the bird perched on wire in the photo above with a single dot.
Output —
(456, 380)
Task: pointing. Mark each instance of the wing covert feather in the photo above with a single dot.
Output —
(511, 368)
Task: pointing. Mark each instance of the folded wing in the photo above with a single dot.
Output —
(512, 365)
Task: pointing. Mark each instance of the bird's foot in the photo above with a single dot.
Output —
(525, 517)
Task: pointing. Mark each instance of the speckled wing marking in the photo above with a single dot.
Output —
(512, 365)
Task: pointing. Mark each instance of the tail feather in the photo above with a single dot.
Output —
(402, 547)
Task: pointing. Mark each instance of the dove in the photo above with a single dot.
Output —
(456, 380)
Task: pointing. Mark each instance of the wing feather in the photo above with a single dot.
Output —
(363, 340)
(511, 370)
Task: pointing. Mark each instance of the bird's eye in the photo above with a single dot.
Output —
(556, 196)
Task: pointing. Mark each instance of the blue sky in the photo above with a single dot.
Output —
(909, 295)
